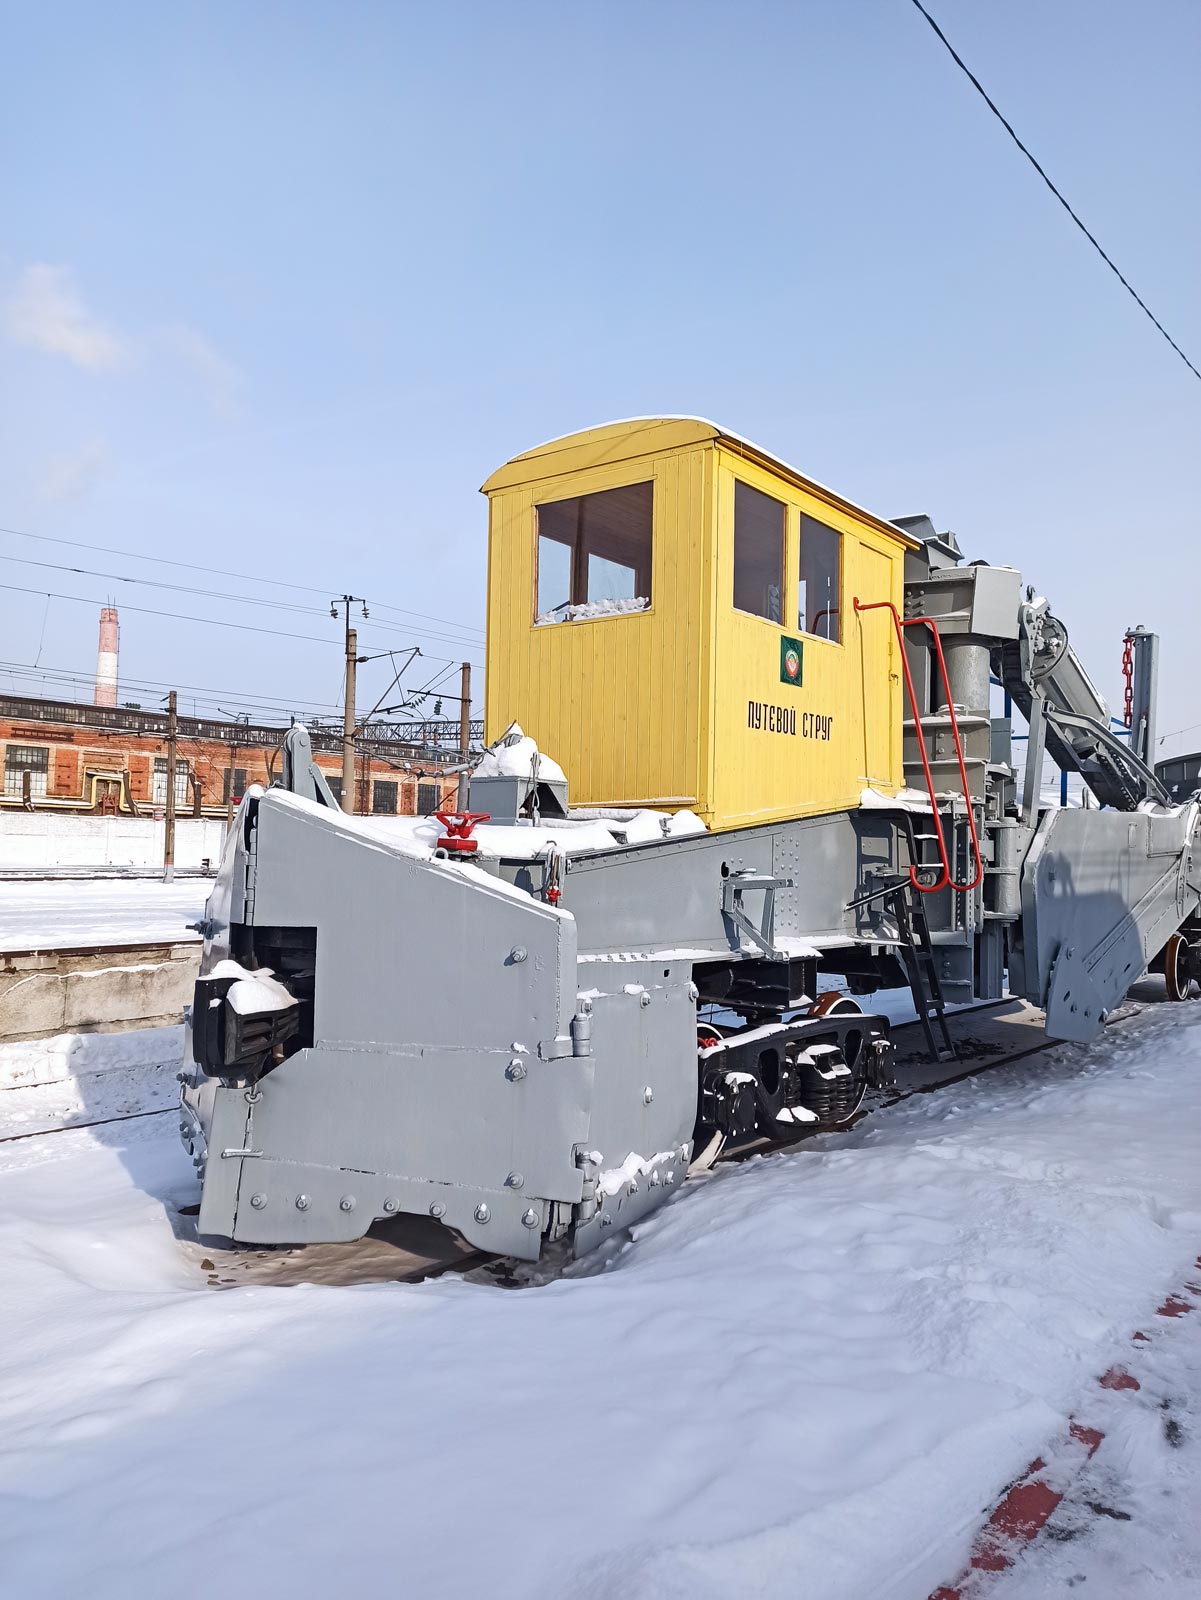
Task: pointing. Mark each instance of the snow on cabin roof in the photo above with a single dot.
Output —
(635, 436)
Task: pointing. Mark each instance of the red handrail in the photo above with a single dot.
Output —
(900, 624)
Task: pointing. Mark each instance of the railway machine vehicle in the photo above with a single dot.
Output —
(779, 770)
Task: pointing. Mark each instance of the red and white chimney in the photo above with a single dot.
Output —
(106, 658)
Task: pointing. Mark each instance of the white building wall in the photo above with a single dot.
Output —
(56, 839)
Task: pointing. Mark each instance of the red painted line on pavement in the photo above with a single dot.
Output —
(1025, 1508)
(1119, 1378)
(1173, 1306)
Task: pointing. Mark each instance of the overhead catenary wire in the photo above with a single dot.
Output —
(289, 606)
(204, 691)
(221, 572)
(179, 616)
(266, 708)
(1008, 126)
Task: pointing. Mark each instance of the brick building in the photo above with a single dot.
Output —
(65, 756)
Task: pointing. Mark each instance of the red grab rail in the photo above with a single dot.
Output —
(900, 624)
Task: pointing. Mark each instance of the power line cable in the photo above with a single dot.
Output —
(992, 106)
(221, 572)
(177, 616)
(180, 616)
(238, 599)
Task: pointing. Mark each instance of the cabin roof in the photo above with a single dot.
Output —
(640, 436)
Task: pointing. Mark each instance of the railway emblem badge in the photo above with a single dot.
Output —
(790, 660)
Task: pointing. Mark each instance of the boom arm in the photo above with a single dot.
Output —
(1044, 676)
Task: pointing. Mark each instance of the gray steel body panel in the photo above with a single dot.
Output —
(1102, 892)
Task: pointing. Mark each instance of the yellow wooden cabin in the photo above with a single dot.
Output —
(670, 615)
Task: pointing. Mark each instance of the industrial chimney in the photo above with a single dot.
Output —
(106, 658)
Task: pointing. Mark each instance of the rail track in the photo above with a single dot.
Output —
(989, 1036)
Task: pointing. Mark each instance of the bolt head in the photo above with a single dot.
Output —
(693, 992)
(346, 1203)
(518, 954)
(632, 1186)
(389, 1206)
(606, 1220)
(302, 1202)
(258, 1201)
(644, 999)
(482, 1213)
(585, 1006)
(437, 1209)
(530, 1217)
(515, 1180)
(515, 1070)
(648, 1094)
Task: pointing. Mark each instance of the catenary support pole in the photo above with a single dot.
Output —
(352, 656)
(169, 825)
(464, 799)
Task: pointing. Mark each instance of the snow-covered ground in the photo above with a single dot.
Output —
(810, 1375)
(51, 915)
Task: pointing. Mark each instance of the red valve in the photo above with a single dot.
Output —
(460, 825)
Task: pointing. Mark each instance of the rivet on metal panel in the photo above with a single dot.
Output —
(530, 1218)
(515, 1180)
(482, 1213)
(302, 1202)
(258, 1201)
(515, 1070)
(606, 1220)
(644, 1000)
(693, 992)
(632, 1187)
(437, 1209)
(389, 1205)
(346, 1203)
(648, 1094)
(517, 955)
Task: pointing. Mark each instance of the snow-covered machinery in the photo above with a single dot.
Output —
(775, 714)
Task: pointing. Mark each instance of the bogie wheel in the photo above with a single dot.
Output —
(834, 1004)
(1181, 962)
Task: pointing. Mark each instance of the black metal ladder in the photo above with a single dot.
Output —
(921, 968)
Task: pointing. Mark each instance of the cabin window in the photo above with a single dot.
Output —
(758, 553)
(594, 554)
(821, 577)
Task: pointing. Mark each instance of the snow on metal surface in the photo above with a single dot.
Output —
(949, 1278)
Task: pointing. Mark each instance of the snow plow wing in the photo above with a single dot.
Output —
(442, 1063)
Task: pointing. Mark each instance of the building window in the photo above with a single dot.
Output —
(758, 552)
(821, 561)
(238, 775)
(334, 786)
(159, 797)
(20, 759)
(594, 554)
(428, 798)
(383, 798)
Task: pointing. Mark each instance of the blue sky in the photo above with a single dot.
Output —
(281, 284)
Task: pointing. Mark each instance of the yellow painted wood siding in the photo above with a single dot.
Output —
(762, 775)
(615, 700)
(652, 707)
